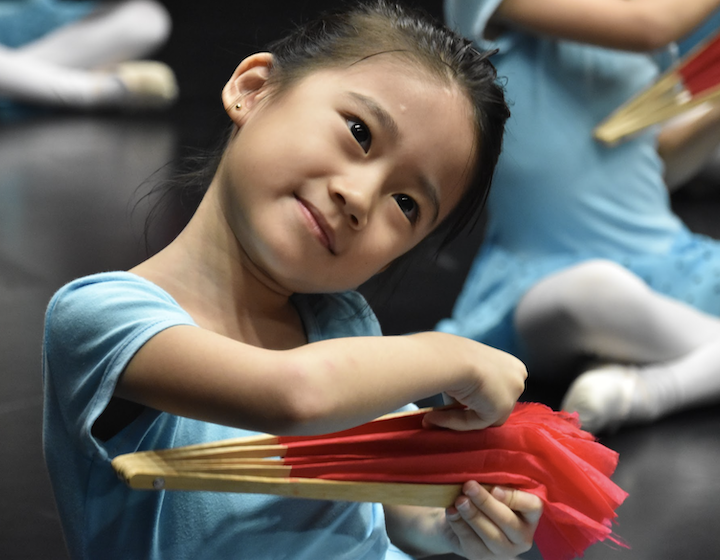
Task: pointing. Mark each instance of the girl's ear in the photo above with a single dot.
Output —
(246, 86)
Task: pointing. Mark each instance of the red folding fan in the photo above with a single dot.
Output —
(395, 460)
(693, 81)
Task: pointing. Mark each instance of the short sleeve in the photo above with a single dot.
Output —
(93, 327)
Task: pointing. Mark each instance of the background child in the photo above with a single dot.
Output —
(84, 55)
(583, 257)
(356, 138)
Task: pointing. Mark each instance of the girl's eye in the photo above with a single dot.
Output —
(408, 206)
(361, 133)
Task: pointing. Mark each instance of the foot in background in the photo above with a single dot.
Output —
(608, 397)
(147, 85)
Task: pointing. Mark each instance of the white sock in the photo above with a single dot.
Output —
(39, 82)
(599, 309)
(114, 33)
(690, 381)
(68, 66)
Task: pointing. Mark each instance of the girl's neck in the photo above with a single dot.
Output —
(206, 271)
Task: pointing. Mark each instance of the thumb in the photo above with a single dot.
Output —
(461, 419)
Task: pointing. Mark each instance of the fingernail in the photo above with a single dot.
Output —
(464, 505)
(498, 493)
(471, 489)
(452, 514)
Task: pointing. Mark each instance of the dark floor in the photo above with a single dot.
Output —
(70, 205)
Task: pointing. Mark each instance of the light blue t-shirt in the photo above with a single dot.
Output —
(94, 326)
(559, 196)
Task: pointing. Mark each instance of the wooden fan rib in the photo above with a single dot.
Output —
(687, 84)
(430, 495)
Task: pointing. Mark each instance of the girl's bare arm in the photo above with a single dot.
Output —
(320, 387)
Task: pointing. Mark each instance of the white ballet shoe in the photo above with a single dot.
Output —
(148, 84)
(603, 397)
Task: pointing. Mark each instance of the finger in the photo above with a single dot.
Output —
(475, 534)
(512, 525)
(502, 418)
(524, 503)
(450, 401)
(480, 527)
(457, 419)
(466, 540)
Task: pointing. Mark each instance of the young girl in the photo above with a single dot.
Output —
(583, 256)
(354, 139)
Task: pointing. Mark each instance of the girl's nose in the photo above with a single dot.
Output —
(355, 200)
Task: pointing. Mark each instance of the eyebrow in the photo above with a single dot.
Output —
(387, 122)
(382, 116)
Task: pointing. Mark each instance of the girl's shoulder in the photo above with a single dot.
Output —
(107, 289)
(119, 282)
(103, 302)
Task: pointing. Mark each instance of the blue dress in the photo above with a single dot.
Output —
(93, 327)
(559, 197)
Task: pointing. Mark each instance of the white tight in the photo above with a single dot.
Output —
(599, 309)
(61, 68)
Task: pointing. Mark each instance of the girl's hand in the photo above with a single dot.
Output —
(495, 382)
(499, 523)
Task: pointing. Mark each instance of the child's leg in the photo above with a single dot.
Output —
(144, 84)
(114, 33)
(599, 309)
(36, 81)
(57, 70)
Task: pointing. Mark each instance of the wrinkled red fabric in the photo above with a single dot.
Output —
(537, 450)
(701, 71)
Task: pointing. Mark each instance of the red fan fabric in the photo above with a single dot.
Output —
(537, 450)
(701, 71)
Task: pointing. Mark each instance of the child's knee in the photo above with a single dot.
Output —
(148, 22)
(569, 297)
(602, 282)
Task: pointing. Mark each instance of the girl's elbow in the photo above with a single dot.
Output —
(303, 402)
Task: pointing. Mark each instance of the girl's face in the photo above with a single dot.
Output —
(326, 184)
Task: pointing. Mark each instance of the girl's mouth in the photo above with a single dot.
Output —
(318, 225)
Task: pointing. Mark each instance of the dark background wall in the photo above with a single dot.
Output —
(210, 38)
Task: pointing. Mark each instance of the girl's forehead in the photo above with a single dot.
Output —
(391, 64)
(392, 74)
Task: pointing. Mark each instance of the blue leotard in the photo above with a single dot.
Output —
(559, 196)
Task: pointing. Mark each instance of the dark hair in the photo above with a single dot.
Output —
(346, 37)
